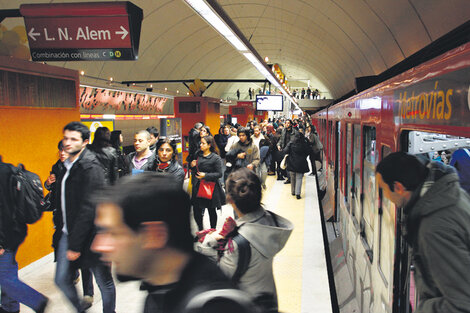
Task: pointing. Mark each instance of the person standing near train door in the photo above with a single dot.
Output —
(437, 227)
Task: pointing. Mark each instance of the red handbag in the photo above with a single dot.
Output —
(206, 188)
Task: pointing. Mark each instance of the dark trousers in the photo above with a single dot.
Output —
(199, 214)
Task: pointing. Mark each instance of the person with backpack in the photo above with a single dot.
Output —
(260, 234)
(13, 231)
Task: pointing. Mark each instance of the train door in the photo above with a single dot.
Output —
(338, 168)
(368, 189)
(347, 175)
(356, 174)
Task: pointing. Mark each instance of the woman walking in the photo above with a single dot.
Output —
(298, 150)
(206, 170)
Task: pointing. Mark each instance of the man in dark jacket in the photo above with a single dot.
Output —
(437, 212)
(82, 176)
(286, 136)
(144, 224)
(12, 234)
(193, 141)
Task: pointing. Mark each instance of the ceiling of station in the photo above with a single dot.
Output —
(321, 43)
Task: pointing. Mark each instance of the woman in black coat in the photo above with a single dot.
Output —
(298, 149)
(208, 167)
(166, 162)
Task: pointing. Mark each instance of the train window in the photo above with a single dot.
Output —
(189, 107)
(356, 167)
(330, 143)
(369, 191)
(386, 232)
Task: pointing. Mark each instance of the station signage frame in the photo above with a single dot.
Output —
(88, 31)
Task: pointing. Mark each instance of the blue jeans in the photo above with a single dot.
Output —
(64, 279)
(14, 290)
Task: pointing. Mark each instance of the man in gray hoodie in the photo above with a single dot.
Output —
(437, 227)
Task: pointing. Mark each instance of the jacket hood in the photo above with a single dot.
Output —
(266, 238)
(440, 190)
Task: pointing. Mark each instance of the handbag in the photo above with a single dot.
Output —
(206, 188)
(283, 164)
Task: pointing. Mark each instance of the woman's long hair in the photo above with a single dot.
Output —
(102, 137)
(211, 142)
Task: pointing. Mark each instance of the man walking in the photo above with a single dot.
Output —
(437, 213)
(82, 176)
(12, 234)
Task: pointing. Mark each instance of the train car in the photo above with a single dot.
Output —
(424, 111)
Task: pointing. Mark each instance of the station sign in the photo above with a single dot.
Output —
(92, 31)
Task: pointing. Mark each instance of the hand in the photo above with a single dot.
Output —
(241, 155)
(50, 180)
(200, 175)
(2, 251)
(193, 163)
(249, 166)
(72, 255)
(279, 148)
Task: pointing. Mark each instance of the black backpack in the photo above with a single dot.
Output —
(27, 195)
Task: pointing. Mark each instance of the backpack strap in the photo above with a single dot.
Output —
(244, 257)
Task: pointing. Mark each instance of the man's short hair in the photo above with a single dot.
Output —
(143, 132)
(149, 197)
(79, 127)
(403, 168)
(153, 131)
(244, 130)
(198, 125)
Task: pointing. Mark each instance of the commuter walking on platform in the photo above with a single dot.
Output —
(116, 143)
(261, 232)
(166, 161)
(298, 150)
(437, 227)
(82, 176)
(50, 184)
(286, 136)
(154, 135)
(106, 154)
(244, 153)
(193, 139)
(206, 172)
(316, 145)
(143, 158)
(12, 234)
(145, 230)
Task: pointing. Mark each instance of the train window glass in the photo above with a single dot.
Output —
(189, 107)
(356, 167)
(369, 191)
(348, 176)
(386, 232)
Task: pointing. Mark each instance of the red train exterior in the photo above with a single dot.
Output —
(432, 98)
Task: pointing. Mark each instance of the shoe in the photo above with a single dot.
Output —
(87, 302)
(293, 194)
(311, 174)
(287, 182)
(280, 178)
(43, 305)
(263, 186)
(271, 173)
(298, 196)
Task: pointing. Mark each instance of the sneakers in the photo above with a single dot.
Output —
(87, 302)
(298, 196)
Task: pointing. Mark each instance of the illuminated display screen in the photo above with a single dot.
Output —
(269, 103)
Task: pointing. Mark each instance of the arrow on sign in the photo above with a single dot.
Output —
(32, 34)
(124, 33)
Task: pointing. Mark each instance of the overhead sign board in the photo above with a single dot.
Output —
(92, 31)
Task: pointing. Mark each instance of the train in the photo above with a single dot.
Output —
(423, 110)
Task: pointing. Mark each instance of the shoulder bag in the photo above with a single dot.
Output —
(206, 188)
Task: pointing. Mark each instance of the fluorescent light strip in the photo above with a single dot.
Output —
(206, 12)
(213, 19)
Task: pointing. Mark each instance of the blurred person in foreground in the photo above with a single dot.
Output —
(437, 227)
(144, 228)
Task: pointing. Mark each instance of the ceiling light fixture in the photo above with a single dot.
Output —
(213, 13)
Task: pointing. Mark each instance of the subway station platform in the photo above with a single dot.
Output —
(299, 269)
